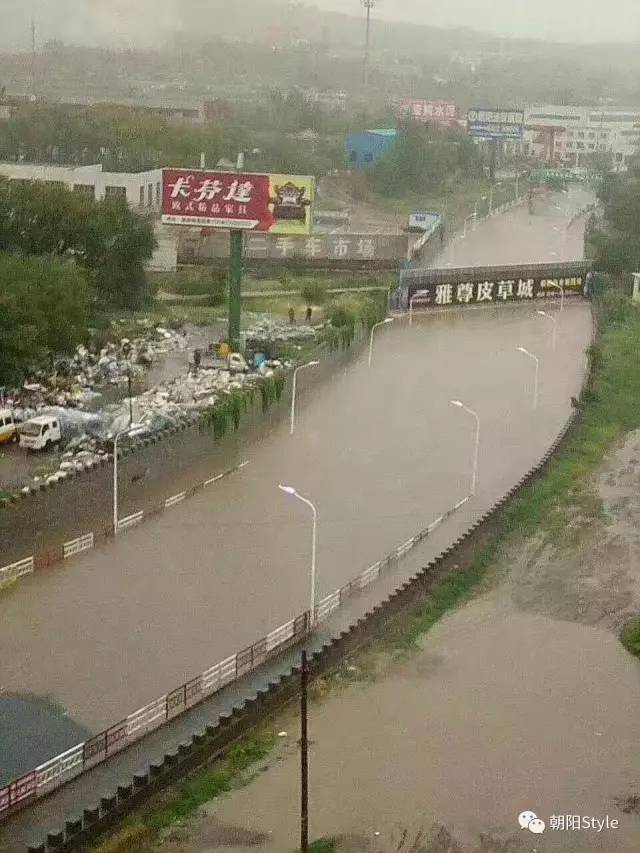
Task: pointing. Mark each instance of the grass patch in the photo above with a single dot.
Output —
(404, 634)
(454, 203)
(323, 845)
(142, 832)
(630, 636)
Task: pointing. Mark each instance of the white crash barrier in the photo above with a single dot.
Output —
(77, 546)
(16, 570)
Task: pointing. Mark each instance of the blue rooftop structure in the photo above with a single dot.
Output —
(367, 146)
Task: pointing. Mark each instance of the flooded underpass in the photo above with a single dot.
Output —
(110, 631)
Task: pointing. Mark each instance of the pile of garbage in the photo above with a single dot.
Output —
(268, 329)
(73, 381)
(88, 436)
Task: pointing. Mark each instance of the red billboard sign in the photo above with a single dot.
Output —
(438, 112)
(216, 199)
(244, 201)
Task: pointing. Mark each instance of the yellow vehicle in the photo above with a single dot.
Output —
(8, 429)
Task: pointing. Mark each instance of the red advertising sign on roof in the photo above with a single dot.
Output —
(437, 112)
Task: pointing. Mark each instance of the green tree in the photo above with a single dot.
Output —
(45, 307)
(314, 293)
(107, 238)
(424, 159)
(617, 246)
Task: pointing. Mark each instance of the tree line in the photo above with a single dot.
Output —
(424, 159)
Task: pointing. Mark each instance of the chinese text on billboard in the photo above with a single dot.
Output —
(495, 124)
(428, 111)
(278, 204)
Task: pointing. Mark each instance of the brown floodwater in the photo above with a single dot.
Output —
(500, 713)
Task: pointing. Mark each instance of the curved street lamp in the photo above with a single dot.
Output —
(476, 448)
(289, 490)
(537, 363)
(555, 328)
(294, 390)
(376, 326)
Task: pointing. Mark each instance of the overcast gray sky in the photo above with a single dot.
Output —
(144, 21)
(560, 20)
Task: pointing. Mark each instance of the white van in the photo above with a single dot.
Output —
(40, 433)
(8, 431)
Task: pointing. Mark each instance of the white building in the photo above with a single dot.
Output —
(142, 190)
(565, 134)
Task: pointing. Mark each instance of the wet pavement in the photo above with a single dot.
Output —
(183, 591)
(520, 237)
(221, 570)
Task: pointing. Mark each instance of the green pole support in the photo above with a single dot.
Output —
(235, 283)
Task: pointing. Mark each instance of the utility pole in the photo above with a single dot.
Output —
(304, 756)
(33, 58)
(236, 244)
(368, 5)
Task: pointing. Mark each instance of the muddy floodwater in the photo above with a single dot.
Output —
(522, 700)
(502, 712)
(382, 452)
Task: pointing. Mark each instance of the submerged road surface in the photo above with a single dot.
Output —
(520, 237)
(381, 452)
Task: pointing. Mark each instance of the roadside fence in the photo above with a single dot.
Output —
(59, 553)
(73, 762)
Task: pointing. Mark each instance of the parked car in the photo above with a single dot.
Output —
(40, 433)
(8, 426)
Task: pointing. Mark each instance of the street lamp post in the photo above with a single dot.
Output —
(555, 328)
(476, 447)
(236, 248)
(561, 289)
(126, 349)
(376, 326)
(115, 478)
(537, 363)
(493, 186)
(289, 490)
(294, 391)
(411, 299)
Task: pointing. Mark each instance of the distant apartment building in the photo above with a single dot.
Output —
(566, 134)
(142, 190)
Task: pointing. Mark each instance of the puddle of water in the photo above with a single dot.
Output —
(31, 731)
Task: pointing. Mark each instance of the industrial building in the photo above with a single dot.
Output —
(566, 134)
(366, 147)
(142, 190)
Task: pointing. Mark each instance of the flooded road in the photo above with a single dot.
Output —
(381, 452)
(502, 712)
(520, 237)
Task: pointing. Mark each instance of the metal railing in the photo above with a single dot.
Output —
(82, 757)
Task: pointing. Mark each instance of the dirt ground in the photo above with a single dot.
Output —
(522, 699)
(591, 574)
